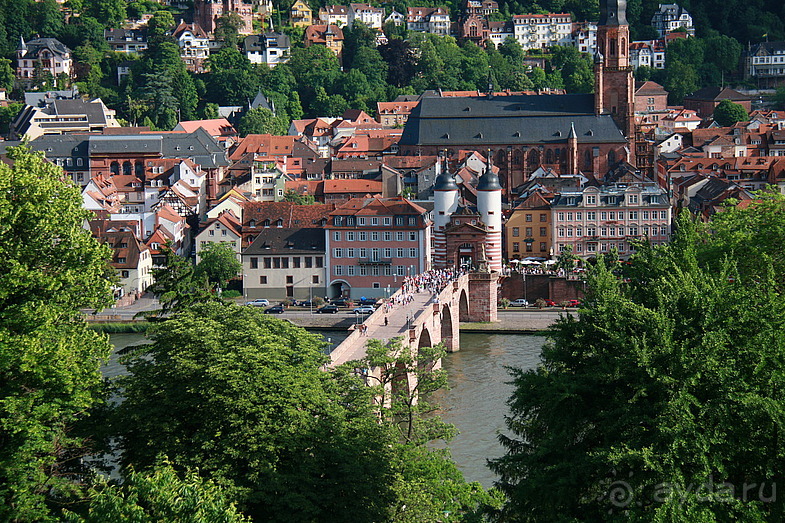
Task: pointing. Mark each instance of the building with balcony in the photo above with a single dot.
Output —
(597, 219)
(371, 16)
(300, 14)
(542, 31)
(125, 40)
(435, 20)
(45, 55)
(194, 46)
(334, 15)
(372, 243)
(765, 63)
(670, 17)
(269, 48)
(527, 231)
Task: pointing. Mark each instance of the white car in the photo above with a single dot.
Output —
(520, 302)
(259, 302)
(364, 309)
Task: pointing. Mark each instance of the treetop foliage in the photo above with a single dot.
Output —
(670, 377)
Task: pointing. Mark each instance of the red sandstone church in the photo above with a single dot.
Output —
(529, 131)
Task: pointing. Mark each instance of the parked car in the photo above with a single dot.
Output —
(340, 302)
(305, 303)
(550, 303)
(574, 303)
(259, 302)
(364, 309)
(520, 302)
(368, 301)
(327, 309)
(277, 309)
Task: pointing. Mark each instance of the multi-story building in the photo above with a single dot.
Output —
(45, 55)
(226, 228)
(194, 46)
(335, 15)
(671, 17)
(270, 48)
(435, 20)
(528, 229)
(649, 53)
(330, 36)
(207, 13)
(373, 17)
(584, 36)
(62, 116)
(373, 243)
(543, 31)
(594, 220)
(285, 263)
(300, 14)
(765, 63)
(650, 97)
(705, 100)
(124, 40)
(481, 7)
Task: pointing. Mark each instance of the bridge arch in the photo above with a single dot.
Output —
(424, 340)
(463, 306)
(447, 327)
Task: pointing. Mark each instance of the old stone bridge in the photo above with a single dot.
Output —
(428, 319)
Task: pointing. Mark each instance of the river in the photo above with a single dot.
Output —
(476, 401)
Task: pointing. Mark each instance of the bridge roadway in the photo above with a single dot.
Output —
(353, 348)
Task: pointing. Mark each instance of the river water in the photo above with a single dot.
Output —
(476, 401)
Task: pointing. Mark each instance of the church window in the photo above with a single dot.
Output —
(611, 157)
(549, 156)
(516, 157)
(500, 157)
(587, 160)
(623, 47)
(612, 46)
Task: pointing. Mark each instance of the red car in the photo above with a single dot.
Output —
(574, 303)
(550, 303)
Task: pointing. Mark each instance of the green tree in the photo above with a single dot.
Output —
(680, 80)
(244, 397)
(728, 113)
(176, 284)
(429, 486)
(300, 199)
(218, 263)
(654, 389)
(7, 75)
(50, 267)
(160, 26)
(261, 121)
(566, 259)
(227, 29)
(160, 495)
(109, 12)
(231, 79)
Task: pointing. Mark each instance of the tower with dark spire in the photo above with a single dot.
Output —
(445, 202)
(489, 205)
(614, 83)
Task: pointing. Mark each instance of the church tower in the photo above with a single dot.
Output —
(614, 83)
(489, 204)
(445, 202)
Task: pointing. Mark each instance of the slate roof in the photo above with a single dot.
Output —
(528, 119)
(716, 94)
(199, 146)
(305, 240)
(56, 47)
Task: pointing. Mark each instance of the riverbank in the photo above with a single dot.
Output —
(516, 321)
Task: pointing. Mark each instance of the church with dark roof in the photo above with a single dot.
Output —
(526, 132)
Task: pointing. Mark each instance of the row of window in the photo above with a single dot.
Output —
(286, 262)
(516, 232)
(289, 282)
(613, 215)
(611, 231)
(375, 236)
(374, 270)
(516, 247)
(386, 252)
(350, 221)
